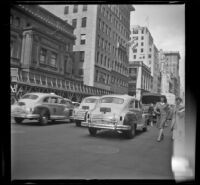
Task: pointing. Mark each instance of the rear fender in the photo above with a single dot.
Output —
(39, 109)
(130, 119)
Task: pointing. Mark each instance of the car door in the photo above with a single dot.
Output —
(47, 101)
(60, 107)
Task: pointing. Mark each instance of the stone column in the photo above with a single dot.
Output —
(27, 42)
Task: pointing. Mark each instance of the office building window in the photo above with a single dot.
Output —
(96, 75)
(66, 10)
(142, 43)
(80, 72)
(82, 56)
(134, 56)
(101, 59)
(142, 50)
(84, 8)
(134, 50)
(74, 22)
(149, 49)
(75, 9)
(149, 56)
(43, 55)
(98, 41)
(105, 60)
(99, 24)
(53, 59)
(97, 59)
(142, 37)
(108, 64)
(83, 39)
(84, 20)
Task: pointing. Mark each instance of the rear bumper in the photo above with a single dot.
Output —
(25, 116)
(106, 126)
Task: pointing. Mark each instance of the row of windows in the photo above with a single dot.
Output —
(107, 63)
(107, 79)
(83, 22)
(75, 9)
(107, 14)
(43, 57)
(116, 11)
(137, 31)
(136, 38)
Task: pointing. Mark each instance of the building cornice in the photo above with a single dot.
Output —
(47, 18)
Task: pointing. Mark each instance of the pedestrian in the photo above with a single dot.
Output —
(177, 124)
(151, 112)
(161, 109)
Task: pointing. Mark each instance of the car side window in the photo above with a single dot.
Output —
(62, 101)
(46, 100)
(132, 104)
(136, 104)
(54, 100)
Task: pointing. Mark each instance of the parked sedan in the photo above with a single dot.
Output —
(87, 104)
(40, 106)
(121, 113)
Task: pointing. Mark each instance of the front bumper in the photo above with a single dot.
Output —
(25, 116)
(109, 126)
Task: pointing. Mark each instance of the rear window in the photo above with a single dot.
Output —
(112, 100)
(90, 100)
(30, 96)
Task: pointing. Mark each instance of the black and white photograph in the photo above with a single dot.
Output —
(98, 92)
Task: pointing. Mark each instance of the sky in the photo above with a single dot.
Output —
(167, 26)
(165, 22)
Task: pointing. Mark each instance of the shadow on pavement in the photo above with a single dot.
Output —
(36, 123)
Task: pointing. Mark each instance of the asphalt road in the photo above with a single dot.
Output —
(64, 151)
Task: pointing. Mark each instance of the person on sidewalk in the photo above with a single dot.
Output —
(161, 109)
(177, 124)
(151, 112)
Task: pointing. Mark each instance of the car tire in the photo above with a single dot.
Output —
(131, 133)
(18, 120)
(92, 131)
(78, 123)
(144, 129)
(44, 116)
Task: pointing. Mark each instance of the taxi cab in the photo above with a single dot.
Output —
(121, 113)
(87, 104)
(42, 107)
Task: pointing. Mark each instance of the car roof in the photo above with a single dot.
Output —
(124, 96)
(96, 97)
(43, 94)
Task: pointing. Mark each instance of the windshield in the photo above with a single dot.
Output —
(30, 96)
(90, 100)
(150, 99)
(112, 100)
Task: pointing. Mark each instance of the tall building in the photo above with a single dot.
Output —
(101, 51)
(172, 67)
(142, 48)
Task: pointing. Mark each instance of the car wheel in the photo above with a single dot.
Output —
(18, 120)
(78, 123)
(44, 116)
(131, 133)
(144, 129)
(92, 131)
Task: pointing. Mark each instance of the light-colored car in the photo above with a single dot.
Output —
(40, 106)
(121, 113)
(87, 104)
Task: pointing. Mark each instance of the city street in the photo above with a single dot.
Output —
(63, 151)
